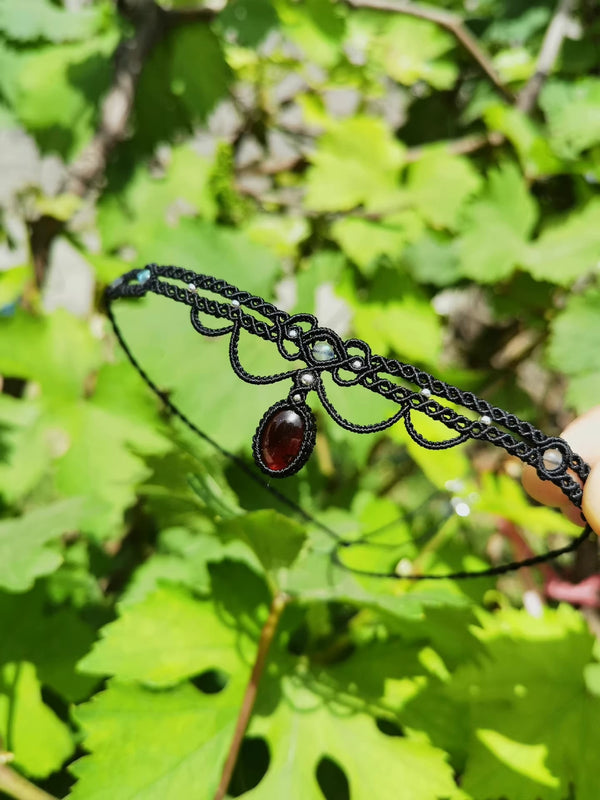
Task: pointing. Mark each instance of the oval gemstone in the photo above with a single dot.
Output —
(281, 439)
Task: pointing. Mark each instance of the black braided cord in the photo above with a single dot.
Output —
(350, 363)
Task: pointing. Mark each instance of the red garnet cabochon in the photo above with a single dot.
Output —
(281, 439)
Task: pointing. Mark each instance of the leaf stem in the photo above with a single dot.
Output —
(267, 635)
(15, 785)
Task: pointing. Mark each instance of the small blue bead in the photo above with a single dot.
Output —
(143, 275)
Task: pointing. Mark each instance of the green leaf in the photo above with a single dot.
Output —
(146, 204)
(26, 551)
(356, 162)
(52, 90)
(30, 20)
(166, 638)
(433, 260)
(364, 241)
(573, 114)
(28, 727)
(568, 350)
(24, 453)
(533, 149)
(182, 560)
(565, 252)
(183, 79)
(248, 20)
(281, 234)
(577, 355)
(411, 50)
(154, 745)
(58, 351)
(217, 251)
(385, 326)
(52, 638)
(505, 213)
(106, 437)
(317, 26)
(504, 498)
(304, 724)
(439, 184)
(274, 539)
(531, 709)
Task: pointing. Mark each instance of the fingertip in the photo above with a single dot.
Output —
(591, 499)
(543, 491)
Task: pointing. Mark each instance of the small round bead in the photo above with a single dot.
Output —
(426, 392)
(403, 568)
(293, 333)
(143, 275)
(322, 351)
(192, 287)
(297, 398)
(235, 303)
(307, 378)
(357, 363)
(552, 458)
(485, 420)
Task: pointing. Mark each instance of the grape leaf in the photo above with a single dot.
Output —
(364, 241)
(356, 162)
(146, 203)
(274, 539)
(39, 19)
(568, 250)
(527, 137)
(439, 185)
(28, 727)
(385, 326)
(568, 350)
(305, 724)
(154, 745)
(573, 114)
(24, 454)
(167, 637)
(25, 549)
(409, 50)
(504, 213)
(106, 437)
(531, 709)
(52, 638)
(52, 90)
(317, 26)
(58, 350)
(182, 80)
(433, 260)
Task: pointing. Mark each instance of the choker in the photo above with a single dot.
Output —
(285, 436)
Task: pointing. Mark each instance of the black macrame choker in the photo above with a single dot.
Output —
(285, 437)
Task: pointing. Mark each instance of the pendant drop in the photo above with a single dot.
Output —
(284, 438)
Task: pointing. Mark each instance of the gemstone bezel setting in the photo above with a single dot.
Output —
(306, 446)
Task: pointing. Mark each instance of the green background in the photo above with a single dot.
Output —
(423, 177)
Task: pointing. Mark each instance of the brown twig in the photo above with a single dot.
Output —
(447, 20)
(149, 21)
(266, 638)
(15, 785)
(555, 34)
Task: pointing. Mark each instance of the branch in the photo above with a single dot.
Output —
(15, 785)
(457, 147)
(556, 32)
(88, 169)
(447, 20)
(266, 638)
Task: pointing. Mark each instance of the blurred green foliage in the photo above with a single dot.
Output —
(340, 160)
